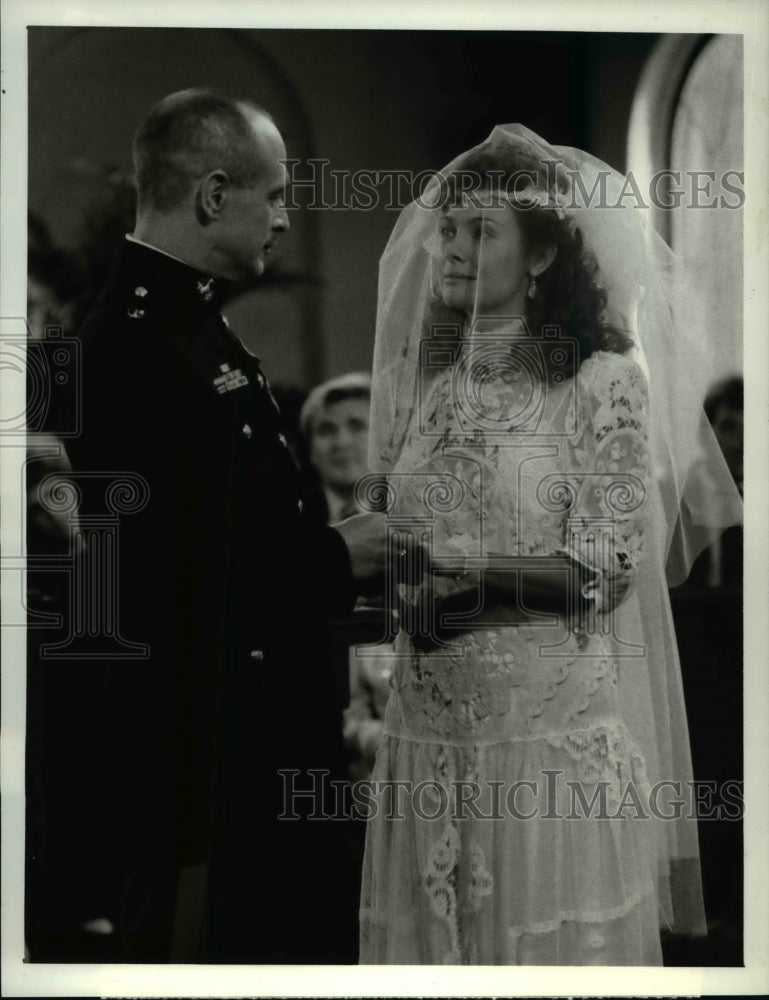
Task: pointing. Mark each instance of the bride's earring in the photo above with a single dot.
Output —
(531, 293)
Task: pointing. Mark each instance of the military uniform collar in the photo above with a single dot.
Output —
(153, 275)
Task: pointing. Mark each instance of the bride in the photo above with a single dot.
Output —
(536, 413)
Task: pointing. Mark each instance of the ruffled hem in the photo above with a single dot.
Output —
(581, 917)
(539, 878)
(626, 935)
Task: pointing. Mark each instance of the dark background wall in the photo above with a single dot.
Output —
(377, 100)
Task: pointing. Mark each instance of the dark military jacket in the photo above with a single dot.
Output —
(220, 576)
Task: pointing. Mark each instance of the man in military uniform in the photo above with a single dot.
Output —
(218, 574)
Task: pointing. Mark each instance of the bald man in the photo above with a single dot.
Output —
(196, 744)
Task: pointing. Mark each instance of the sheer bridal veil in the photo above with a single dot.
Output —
(690, 495)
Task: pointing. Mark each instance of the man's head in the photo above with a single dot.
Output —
(210, 176)
(334, 421)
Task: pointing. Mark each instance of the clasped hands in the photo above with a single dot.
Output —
(380, 555)
(393, 568)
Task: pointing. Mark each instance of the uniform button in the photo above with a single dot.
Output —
(246, 431)
(257, 654)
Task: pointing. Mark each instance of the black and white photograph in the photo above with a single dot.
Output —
(383, 433)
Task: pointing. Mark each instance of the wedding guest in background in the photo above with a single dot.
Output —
(334, 421)
(708, 612)
(335, 424)
(725, 409)
(93, 207)
(54, 282)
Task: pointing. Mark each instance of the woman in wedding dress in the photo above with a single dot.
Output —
(536, 414)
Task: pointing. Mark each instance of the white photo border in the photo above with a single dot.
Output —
(748, 18)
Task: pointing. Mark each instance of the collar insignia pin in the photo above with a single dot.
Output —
(206, 289)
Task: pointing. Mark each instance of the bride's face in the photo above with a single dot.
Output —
(484, 261)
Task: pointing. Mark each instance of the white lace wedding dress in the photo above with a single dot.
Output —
(503, 718)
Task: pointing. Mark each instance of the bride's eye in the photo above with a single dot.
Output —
(446, 230)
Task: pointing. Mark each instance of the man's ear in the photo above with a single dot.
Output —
(542, 260)
(211, 196)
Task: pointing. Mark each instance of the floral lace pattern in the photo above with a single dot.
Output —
(605, 527)
(461, 693)
(581, 493)
(605, 755)
(455, 906)
(505, 701)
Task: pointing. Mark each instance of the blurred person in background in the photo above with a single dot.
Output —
(334, 421)
(335, 424)
(86, 214)
(54, 282)
(725, 409)
(707, 610)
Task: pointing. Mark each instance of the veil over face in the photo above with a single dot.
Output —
(483, 258)
(554, 192)
(473, 280)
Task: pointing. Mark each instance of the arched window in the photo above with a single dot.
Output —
(687, 118)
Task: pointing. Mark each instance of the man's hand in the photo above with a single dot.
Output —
(366, 538)
(371, 546)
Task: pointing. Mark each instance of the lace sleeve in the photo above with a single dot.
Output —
(605, 528)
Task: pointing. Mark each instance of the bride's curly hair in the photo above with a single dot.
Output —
(567, 295)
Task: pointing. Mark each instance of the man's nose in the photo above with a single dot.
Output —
(342, 438)
(280, 223)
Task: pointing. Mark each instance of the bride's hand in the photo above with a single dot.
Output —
(409, 561)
